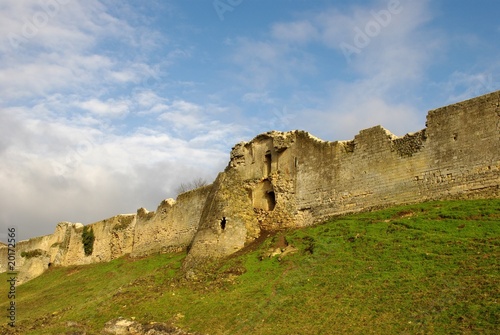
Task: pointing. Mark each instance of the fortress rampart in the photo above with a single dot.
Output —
(292, 179)
(170, 228)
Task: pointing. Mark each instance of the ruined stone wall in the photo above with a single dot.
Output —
(456, 156)
(32, 267)
(227, 220)
(113, 239)
(340, 177)
(281, 180)
(49, 249)
(173, 225)
(171, 228)
(3, 254)
(464, 143)
(293, 179)
(254, 193)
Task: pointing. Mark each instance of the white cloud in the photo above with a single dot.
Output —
(67, 51)
(391, 64)
(258, 97)
(376, 39)
(184, 107)
(202, 126)
(148, 99)
(353, 108)
(182, 115)
(67, 146)
(298, 31)
(60, 169)
(64, 25)
(110, 107)
(266, 63)
(461, 85)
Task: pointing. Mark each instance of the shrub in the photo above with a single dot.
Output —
(88, 240)
(31, 253)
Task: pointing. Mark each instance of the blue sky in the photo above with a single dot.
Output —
(107, 106)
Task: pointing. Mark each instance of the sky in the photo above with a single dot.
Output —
(107, 106)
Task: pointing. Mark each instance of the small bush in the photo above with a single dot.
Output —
(31, 253)
(88, 240)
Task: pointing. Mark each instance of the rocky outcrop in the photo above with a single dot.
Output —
(123, 326)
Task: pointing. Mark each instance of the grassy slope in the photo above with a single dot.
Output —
(431, 268)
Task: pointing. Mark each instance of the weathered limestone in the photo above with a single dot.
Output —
(171, 228)
(173, 225)
(49, 250)
(292, 179)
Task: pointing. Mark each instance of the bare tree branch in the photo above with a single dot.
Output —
(194, 184)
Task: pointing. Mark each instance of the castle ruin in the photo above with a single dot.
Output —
(292, 179)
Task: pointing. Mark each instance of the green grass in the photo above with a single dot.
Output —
(431, 268)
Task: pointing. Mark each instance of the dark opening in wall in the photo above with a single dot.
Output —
(223, 223)
(252, 154)
(268, 163)
(263, 196)
(271, 200)
(250, 196)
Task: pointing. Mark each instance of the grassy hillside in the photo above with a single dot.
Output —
(431, 268)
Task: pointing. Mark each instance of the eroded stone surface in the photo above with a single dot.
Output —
(293, 179)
